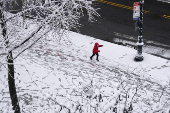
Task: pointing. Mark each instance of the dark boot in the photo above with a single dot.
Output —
(91, 58)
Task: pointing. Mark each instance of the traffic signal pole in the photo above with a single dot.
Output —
(139, 44)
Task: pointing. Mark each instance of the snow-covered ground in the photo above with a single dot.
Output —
(55, 76)
(167, 1)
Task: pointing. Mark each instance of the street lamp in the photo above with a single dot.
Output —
(139, 56)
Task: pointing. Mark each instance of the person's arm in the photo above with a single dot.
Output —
(100, 45)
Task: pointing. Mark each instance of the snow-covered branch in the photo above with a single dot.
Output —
(56, 14)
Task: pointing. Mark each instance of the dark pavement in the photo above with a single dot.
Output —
(114, 19)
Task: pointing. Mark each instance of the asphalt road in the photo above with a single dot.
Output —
(116, 20)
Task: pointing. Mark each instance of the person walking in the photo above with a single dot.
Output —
(95, 51)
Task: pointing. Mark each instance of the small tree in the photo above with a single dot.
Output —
(56, 15)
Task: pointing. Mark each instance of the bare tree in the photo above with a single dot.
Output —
(56, 15)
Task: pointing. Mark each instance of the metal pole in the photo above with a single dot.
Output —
(139, 56)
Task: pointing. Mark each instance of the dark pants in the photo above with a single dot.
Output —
(96, 57)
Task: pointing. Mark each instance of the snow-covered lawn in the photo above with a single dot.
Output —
(53, 77)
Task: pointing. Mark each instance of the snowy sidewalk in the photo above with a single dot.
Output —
(155, 67)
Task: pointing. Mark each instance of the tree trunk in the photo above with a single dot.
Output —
(11, 83)
(11, 79)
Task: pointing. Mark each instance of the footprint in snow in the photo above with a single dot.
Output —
(163, 66)
(154, 67)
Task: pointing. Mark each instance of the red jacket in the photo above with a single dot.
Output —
(95, 49)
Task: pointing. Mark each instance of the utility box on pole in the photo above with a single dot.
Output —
(138, 16)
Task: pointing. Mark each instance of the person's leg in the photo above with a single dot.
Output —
(92, 56)
(97, 58)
